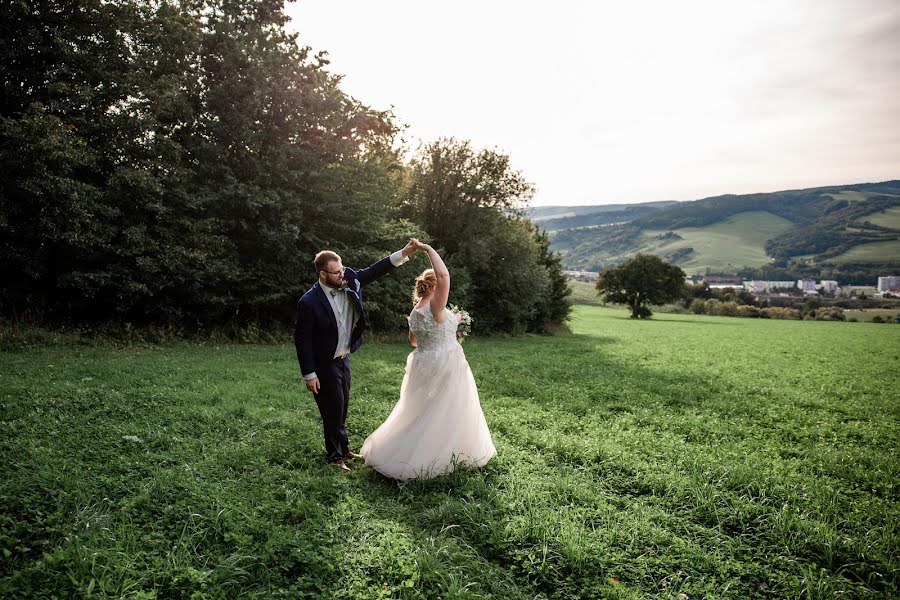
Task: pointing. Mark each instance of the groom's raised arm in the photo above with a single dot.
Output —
(373, 272)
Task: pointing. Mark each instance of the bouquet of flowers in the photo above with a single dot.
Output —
(464, 321)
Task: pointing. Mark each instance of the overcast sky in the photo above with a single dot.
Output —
(606, 102)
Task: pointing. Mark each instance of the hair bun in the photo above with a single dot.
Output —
(424, 284)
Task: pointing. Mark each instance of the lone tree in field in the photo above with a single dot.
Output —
(644, 279)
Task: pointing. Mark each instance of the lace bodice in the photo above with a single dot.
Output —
(431, 335)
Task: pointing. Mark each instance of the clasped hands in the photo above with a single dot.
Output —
(413, 246)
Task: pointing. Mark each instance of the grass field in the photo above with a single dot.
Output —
(704, 456)
(872, 252)
(887, 218)
(584, 292)
(888, 314)
(852, 196)
(737, 241)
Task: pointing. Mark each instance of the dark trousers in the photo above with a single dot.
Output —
(332, 400)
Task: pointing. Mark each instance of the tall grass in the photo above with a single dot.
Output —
(705, 456)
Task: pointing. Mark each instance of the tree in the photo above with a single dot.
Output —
(180, 162)
(470, 205)
(450, 187)
(642, 280)
(554, 305)
(690, 293)
(58, 60)
(507, 279)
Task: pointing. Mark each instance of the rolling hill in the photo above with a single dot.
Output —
(566, 217)
(817, 231)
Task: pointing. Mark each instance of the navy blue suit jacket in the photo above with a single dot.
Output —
(315, 328)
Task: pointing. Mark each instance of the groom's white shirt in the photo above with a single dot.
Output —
(345, 312)
(345, 315)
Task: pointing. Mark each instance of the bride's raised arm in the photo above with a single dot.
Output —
(442, 287)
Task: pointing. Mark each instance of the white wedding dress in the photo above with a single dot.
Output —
(437, 423)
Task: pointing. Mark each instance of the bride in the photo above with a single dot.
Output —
(437, 424)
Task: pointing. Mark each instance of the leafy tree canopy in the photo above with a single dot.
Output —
(470, 204)
(181, 162)
(640, 281)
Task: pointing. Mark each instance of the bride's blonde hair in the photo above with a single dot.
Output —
(424, 284)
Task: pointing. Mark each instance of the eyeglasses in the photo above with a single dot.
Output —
(338, 272)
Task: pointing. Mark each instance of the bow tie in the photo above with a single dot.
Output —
(334, 292)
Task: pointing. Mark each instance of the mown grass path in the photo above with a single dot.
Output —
(705, 456)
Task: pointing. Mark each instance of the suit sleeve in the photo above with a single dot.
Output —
(303, 328)
(383, 266)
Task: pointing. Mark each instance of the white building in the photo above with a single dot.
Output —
(590, 275)
(829, 286)
(758, 287)
(886, 283)
(807, 285)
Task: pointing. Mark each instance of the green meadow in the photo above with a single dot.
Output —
(873, 251)
(584, 293)
(684, 456)
(866, 315)
(890, 217)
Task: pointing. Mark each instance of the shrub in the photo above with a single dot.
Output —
(721, 309)
(781, 313)
(748, 311)
(830, 314)
(711, 306)
(698, 306)
(728, 309)
(877, 319)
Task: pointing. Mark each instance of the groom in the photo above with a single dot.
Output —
(328, 328)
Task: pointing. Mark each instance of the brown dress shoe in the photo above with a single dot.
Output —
(339, 464)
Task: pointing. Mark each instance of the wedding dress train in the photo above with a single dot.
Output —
(438, 423)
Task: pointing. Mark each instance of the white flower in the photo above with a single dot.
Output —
(464, 321)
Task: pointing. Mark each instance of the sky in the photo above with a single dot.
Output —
(600, 102)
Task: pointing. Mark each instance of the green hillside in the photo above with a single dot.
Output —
(599, 218)
(539, 214)
(855, 196)
(737, 241)
(829, 230)
(878, 252)
(887, 218)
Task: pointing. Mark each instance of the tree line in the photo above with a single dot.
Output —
(181, 163)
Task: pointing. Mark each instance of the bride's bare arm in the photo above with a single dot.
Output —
(442, 288)
(412, 338)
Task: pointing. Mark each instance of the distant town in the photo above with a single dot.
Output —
(886, 287)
